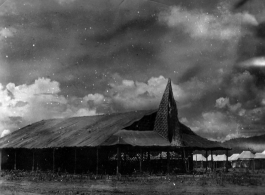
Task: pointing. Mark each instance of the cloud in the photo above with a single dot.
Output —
(243, 102)
(6, 32)
(254, 62)
(134, 95)
(224, 25)
(234, 136)
(24, 104)
(194, 89)
(242, 86)
(95, 98)
(5, 132)
(215, 125)
(225, 102)
(82, 45)
(129, 94)
(8, 7)
(222, 102)
(62, 2)
(184, 120)
(28, 103)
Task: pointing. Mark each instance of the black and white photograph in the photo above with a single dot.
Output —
(150, 97)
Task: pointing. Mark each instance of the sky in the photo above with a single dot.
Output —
(67, 58)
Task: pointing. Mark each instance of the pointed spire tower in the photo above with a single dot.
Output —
(166, 122)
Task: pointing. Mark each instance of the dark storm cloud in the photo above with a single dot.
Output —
(143, 25)
(191, 72)
(27, 45)
(107, 56)
(51, 31)
(239, 4)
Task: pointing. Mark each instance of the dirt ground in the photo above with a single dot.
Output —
(158, 185)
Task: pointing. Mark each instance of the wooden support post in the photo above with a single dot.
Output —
(125, 162)
(148, 160)
(37, 160)
(196, 160)
(75, 162)
(33, 159)
(185, 163)
(226, 164)
(212, 160)
(141, 160)
(191, 165)
(118, 161)
(53, 159)
(1, 159)
(97, 162)
(15, 164)
(206, 160)
(168, 161)
(182, 159)
(216, 166)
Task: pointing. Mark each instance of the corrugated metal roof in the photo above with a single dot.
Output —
(246, 155)
(233, 157)
(136, 138)
(71, 132)
(259, 156)
(91, 131)
(198, 142)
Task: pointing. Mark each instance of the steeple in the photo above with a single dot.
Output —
(166, 122)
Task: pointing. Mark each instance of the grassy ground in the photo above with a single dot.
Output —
(231, 183)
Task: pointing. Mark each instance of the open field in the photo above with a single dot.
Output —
(239, 183)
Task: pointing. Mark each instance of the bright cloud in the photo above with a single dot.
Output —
(6, 32)
(28, 103)
(224, 25)
(139, 95)
(225, 102)
(23, 104)
(257, 62)
(5, 132)
(233, 136)
(215, 124)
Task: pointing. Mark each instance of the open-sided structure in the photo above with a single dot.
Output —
(198, 160)
(233, 159)
(259, 161)
(106, 143)
(246, 159)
